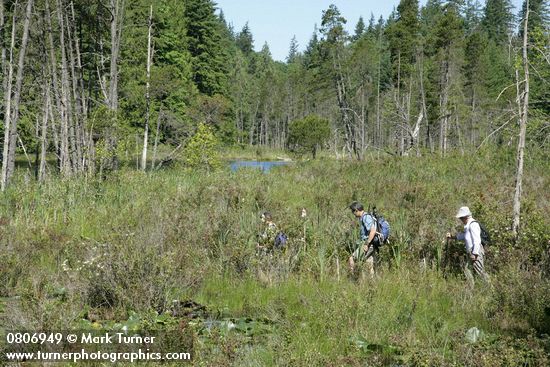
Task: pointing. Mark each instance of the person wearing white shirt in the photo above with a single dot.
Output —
(472, 239)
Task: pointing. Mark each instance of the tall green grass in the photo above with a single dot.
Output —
(98, 249)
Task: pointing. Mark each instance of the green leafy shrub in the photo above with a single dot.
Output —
(307, 134)
(201, 151)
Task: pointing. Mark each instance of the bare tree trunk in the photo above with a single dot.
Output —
(459, 134)
(7, 104)
(406, 127)
(64, 154)
(156, 139)
(240, 123)
(90, 149)
(24, 151)
(136, 151)
(472, 118)
(522, 128)
(350, 134)
(363, 123)
(443, 109)
(83, 103)
(117, 16)
(55, 134)
(117, 10)
(261, 131)
(398, 101)
(10, 139)
(423, 94)
(147, 98)
(18, 86)
(79, 115)
(44, 133)
(253, 122)
(378, 124)
(76, 111)
(2, 47)
(414, 132)
(52, 65)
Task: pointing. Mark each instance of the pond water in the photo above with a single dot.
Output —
(265, 166)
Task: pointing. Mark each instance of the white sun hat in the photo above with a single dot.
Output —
(463, 212)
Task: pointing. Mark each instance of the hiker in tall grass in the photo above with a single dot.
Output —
(271, 260)
(369, 243)
(306, 227)
(472, 237)
(266, 239)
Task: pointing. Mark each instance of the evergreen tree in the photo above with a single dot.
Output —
(332, 26)
(261, 62)
(315, 81)
(172, 87)
(210, 59)
(474, 69)
(240, 92)
(500, 74)
(359, 29)
(538, 33)
(312, 52)
(473, 12)
(228, 28)
(450, 27)
(430, 17)
(265, 59)
(334, 68)
(448, 45)
(539, 17)
(403, 35)
(245, 41)
(498, 20)
(293, 50)
(380, 25)
(372, 24)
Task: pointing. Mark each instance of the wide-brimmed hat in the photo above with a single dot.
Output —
(463, 212)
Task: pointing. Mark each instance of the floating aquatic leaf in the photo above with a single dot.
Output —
(361, 343)
(162, 319)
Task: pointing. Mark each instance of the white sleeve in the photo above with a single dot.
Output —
(460, 236)
(475, 232)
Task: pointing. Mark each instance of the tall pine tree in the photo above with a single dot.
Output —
(293, 50)
(359, 29)
(498, 20)
(245, 41)
(210, 59)
(403, 35)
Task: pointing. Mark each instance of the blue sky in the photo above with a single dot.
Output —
(276, 21)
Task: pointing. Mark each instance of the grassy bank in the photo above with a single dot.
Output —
(102, 251)
(258, 153)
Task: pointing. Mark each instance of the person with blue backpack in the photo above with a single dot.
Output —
(374, 233)
(270, 249)
(271, 238)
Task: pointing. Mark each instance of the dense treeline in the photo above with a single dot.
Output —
(82, 79)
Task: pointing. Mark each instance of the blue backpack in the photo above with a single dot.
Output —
(382, 226)
(280, 241)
